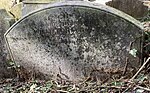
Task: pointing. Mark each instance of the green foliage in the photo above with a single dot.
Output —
(139, 91)
(12, 64)
(141, 78)
(145, 18)
(133, 52)
(117, 83)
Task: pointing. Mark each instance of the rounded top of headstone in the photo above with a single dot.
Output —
(88, 4)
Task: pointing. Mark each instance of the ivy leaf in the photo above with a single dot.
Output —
(139, 91)
(11, 63)
(133, 52)
(141, 78)
(32, 88)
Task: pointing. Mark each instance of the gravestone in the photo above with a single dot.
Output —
(135, 8)
(73, 39)
(31, 5)
(5, 22)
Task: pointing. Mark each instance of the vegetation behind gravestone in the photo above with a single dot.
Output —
(5, 22)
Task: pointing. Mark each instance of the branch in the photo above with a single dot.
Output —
(140, 69)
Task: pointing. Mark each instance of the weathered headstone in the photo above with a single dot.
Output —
(5, 22)
(31, 5)
(72, 39)
(135, 8)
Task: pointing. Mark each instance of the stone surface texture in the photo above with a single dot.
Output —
(31, 5)
(71, 39)
(5, 23)
(135, 8)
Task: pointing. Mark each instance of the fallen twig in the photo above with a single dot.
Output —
(125, 68)
(146, 45)
(143, 88)
(115, 87)
(127, 89)
(140, 69)
(62, 91)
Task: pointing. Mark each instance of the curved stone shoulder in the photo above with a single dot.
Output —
(100, 7)
(86, 4)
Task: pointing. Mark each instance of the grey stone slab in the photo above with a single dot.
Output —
(5, 22)
(70, 39)
(31, 5)
(135, 8)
